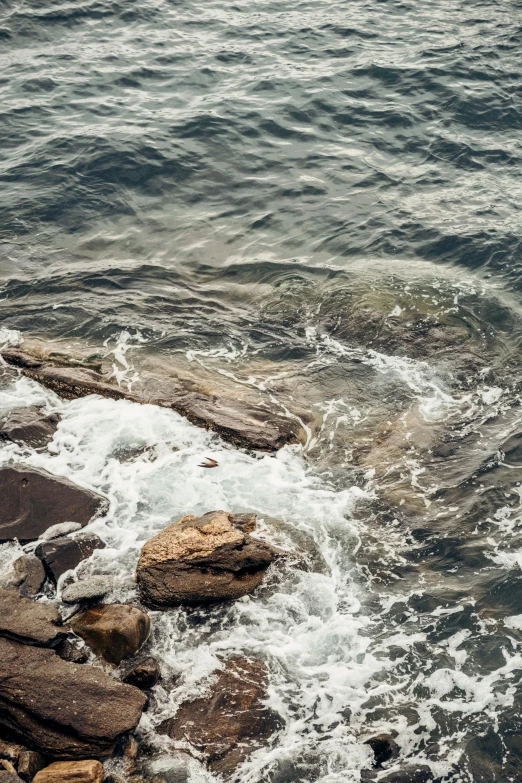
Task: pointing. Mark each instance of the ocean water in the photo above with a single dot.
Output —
(315, 205)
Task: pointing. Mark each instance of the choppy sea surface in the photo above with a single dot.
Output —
(319, 203)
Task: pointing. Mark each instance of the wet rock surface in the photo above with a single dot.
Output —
(66, 553)
(29, 426)
(201, 560)
(61, 709)
(143, 675)
(29, 622)
(87, 589)
(236, 420)
(231, 721)
(410, 774)
(384, 748)
(113, 631)
(34, 500)
(88, 771)
(69, 650)
(28, 575)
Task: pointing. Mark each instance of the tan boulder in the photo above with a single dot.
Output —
(113, 631)
(89, 771)
(202, 560)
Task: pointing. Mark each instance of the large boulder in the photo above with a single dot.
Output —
(230, 722)
(29, 426)
(29, 622)
(60, 709)
(201, 560)
(113, 631)
(65, 553)
(34, 500)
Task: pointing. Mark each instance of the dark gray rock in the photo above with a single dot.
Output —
(66, 553)
(71, 652)
(29, 622)
(29, 426)
(143, 675)
(33, 500)
(231, 721)
(87, 589)
(414, 773)
(29, 763)
(8, 777)
(384, 748)
(28, 575)
(60, 709)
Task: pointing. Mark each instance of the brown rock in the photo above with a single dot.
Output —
(29, 764)
(10, 751)
(70, 651)
(71, 772)
(66, 553)
(231, 721)
(29, 622)
(29, 427)
(33, 500)
(143, 675)
(201, 560)
(113, 631)
(243, 423)
(5, 764)
(61, 709)
(28, 576)
(130, 748)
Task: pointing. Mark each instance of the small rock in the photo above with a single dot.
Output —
(8, 777)
(87, 589)
(71, 772)
(230, 722)
(29, 764)
(113, 779)
(5, 764)
(202, 560)
(33, 500)
(384, 748)
(143, 675)
(29, 575)
(130, 748)
(113, 631)
(65, 554)
(29, 622)
(10, 751)
(29, 426)
(71, 652)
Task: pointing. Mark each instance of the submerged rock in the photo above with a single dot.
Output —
(232, 721)
(239, 421)
(60, 709)
(66, 553)
(33, 500)
(90, 771)
(28, 575)
(114, 631)
(201, 560)
(29, 622)
(29, 426)
(87, 589)
(143, 675)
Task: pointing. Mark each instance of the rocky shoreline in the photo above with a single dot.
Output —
(75, 672)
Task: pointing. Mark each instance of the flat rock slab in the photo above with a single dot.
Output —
(29, 426)
(231, 721)
(113, 631)
(89, 771)
(29, 622)
(243, 423)
(34, 500)
(66, 553)
(202, 560)
(87, 589)
(60, 709)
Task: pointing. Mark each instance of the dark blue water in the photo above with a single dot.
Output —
(321, 202)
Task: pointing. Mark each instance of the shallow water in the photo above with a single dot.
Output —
(316, 205)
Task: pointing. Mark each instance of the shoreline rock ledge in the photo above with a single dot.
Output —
(200, 560)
